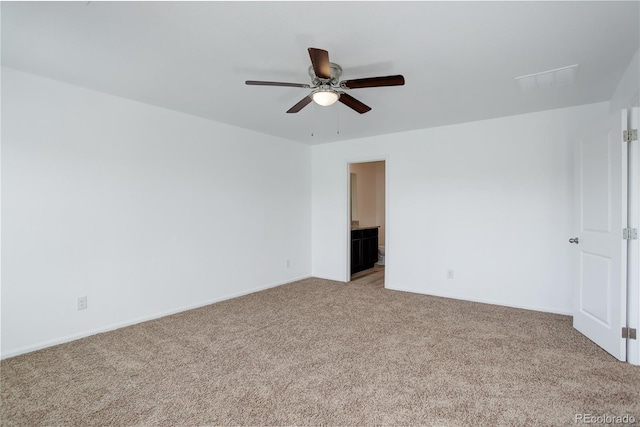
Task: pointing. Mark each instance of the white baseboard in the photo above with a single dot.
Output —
(84, 334)
(486, 301)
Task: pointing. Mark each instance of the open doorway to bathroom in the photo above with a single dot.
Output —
(367, 216)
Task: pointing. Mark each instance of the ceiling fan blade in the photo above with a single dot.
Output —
(320, 62)
(300, 105)
(373, 82)
(353, 103)
(261, 83)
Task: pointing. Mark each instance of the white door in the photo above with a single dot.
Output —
(600, 250)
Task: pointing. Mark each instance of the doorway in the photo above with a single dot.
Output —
(368, 255)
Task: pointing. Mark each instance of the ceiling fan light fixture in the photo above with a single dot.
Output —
(325, 97)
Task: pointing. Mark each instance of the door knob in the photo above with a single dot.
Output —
(574, 240)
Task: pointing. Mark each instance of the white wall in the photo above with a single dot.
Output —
(627, 93)
(145, 211)
(491, 200)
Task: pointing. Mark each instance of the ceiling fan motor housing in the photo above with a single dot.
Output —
(336, 72)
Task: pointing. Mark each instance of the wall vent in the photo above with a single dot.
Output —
(546, 79)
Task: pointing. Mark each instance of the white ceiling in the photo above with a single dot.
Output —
(459, 59)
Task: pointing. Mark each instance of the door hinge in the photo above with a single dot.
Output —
(630, 234)
(630, 135)
(629, 333)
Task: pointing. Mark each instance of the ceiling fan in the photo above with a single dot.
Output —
(326, 88)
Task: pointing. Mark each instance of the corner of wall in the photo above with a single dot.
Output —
(627, 93)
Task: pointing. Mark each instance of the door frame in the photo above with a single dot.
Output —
(347, 214)
(633, 246)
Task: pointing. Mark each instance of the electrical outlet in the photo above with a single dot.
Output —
(288, 263)
(82, 303)
(449, 274)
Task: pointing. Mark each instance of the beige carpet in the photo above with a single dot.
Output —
(317, 352)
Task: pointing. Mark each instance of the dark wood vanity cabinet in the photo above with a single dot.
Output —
(364, 248)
